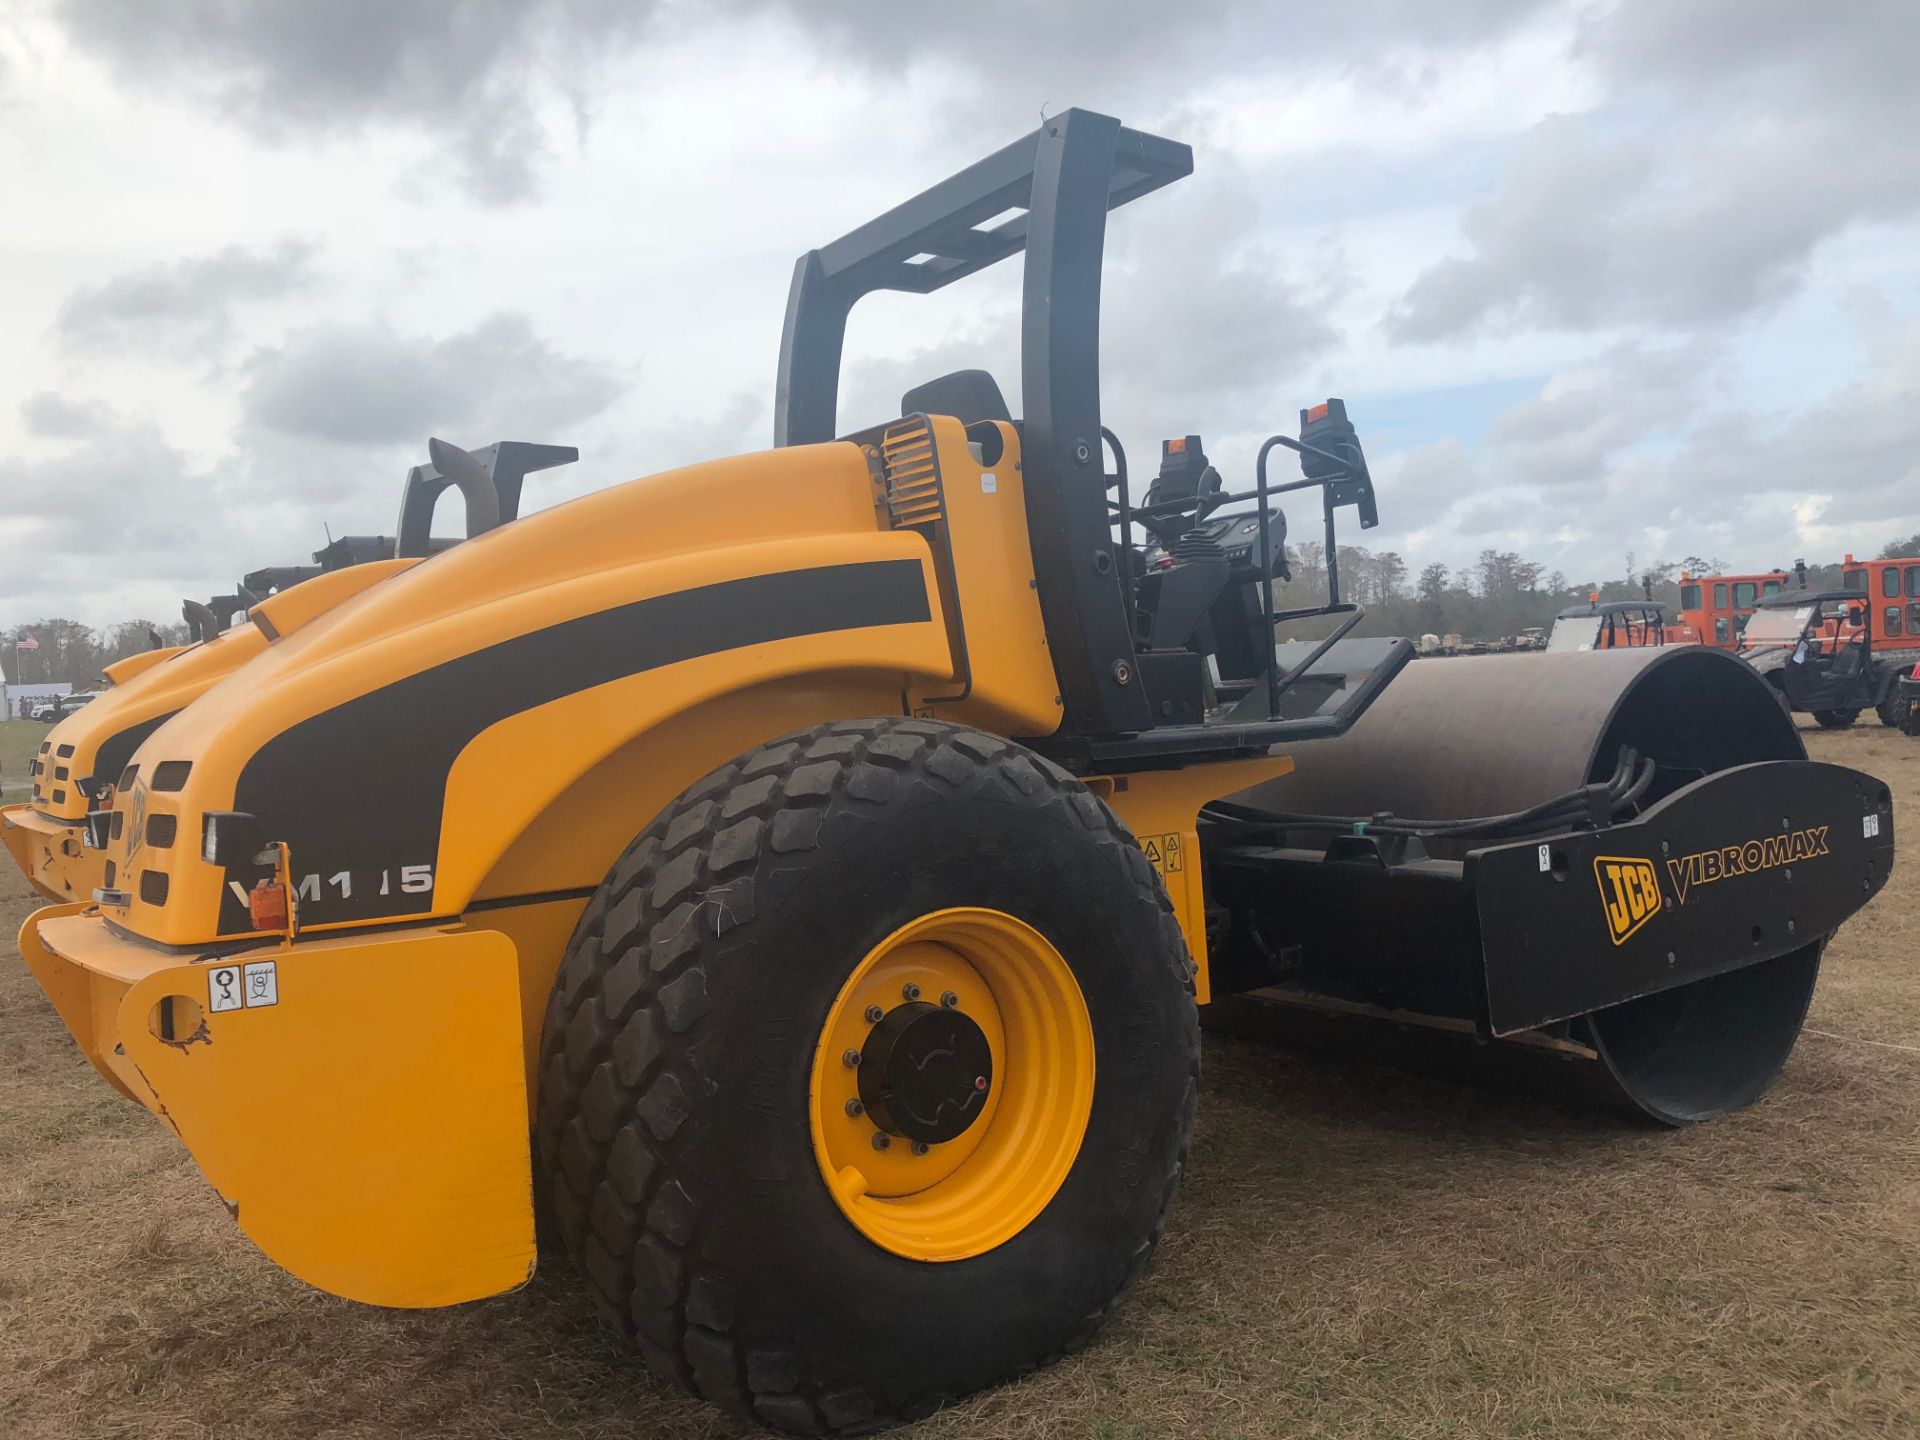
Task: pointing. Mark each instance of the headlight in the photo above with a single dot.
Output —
(231, 837)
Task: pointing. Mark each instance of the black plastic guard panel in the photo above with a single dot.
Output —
(1742, 866)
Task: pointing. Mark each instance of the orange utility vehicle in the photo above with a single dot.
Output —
(1814, 648)
(1716, 607)
(1617, 625)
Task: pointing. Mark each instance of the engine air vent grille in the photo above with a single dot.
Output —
(161, 829)
(170, 775)
(153, 887)
(913, 476)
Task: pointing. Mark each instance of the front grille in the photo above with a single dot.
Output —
(113, 872)
(64, 751)
(913, 478)
(161, 829)
(153, 887)
(59, 797)
(171, 775)
(119, 823)
(59, 772)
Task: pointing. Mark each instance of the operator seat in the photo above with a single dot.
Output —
(1850, 656)
(970, 396)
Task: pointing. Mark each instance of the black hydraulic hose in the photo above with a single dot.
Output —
(1631, 780)
(1129, 581)
(1643, 782)
(1566, 815)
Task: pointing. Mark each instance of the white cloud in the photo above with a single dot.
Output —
(256, 254)
(1742, 138)
(469, 73)
(366, 384)
(183, 308)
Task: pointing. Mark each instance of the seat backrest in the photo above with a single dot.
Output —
(970, 396)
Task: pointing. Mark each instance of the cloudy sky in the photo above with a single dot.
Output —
(1593, 278)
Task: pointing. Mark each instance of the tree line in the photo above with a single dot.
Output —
(67, 650)
(1501, 593)
(1497, 596)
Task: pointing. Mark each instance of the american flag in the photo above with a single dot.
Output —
(26, 642)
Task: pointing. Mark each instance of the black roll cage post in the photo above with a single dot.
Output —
(1063, 178)
(1821, 618)
(506, 464)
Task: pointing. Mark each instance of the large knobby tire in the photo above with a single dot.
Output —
(1835, 719)
(1891, 709)
(676, 1130)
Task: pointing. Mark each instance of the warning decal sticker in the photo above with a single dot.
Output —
(236, 987)
(1164, 852)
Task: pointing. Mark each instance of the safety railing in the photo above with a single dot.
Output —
(1126, 515)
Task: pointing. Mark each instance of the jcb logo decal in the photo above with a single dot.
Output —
(1629, 892)
(1707, 866)
(136, 822)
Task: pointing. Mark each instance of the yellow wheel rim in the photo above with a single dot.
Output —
(961, 1196)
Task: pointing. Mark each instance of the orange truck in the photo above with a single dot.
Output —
(1893, 587)
(1717, 606)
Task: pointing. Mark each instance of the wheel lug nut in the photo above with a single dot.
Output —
(856, 1109)
(881, 1142)
(920, 1147)
(948, 1000)
(910, 990)
(875, 1014)
(851, 1059)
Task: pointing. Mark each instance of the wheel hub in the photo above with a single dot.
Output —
(925, 1073)
(942, 1130)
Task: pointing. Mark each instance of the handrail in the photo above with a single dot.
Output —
(1262, 492)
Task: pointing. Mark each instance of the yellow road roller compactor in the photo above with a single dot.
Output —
(800, 875)
(58, 836)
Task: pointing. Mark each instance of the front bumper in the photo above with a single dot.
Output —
(359, 1102)
(52, 854)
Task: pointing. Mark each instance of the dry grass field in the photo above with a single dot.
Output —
(19, 739)
(1359, 1251)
